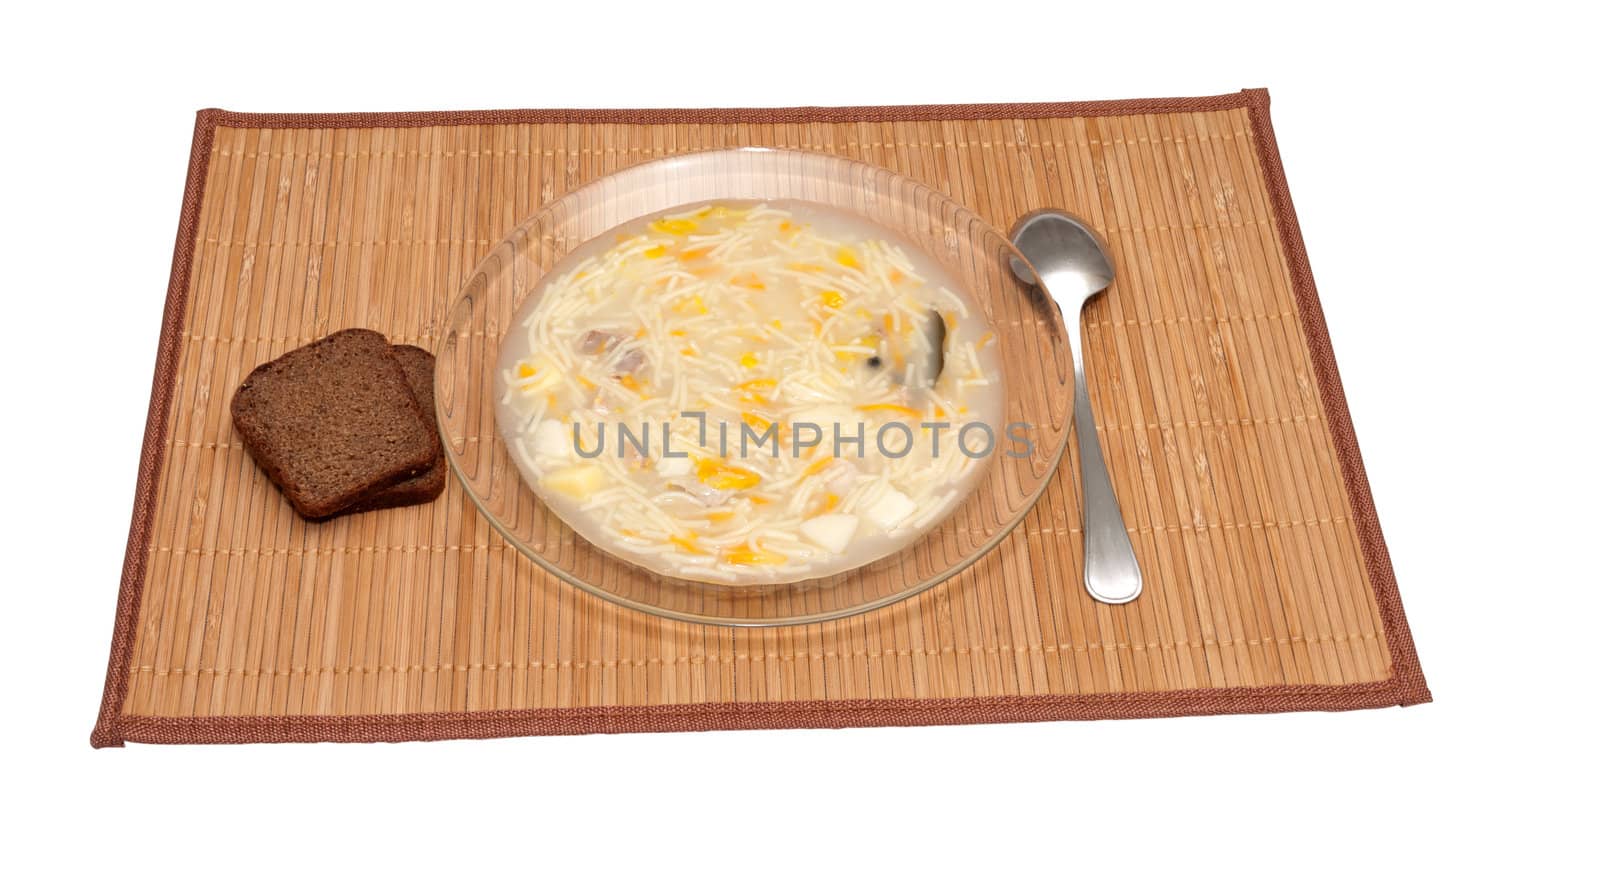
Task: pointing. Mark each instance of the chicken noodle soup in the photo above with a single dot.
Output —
(750, 392)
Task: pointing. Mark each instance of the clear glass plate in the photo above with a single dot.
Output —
(1036, 361)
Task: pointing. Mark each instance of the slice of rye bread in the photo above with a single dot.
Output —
(334, 422)
(424, 487)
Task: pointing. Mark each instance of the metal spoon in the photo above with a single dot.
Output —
(1073, 266)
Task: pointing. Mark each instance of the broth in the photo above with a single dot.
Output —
(687, 389)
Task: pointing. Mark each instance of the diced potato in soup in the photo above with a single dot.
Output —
(744, 392)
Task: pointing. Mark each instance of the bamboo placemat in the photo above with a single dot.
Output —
(1269, 586)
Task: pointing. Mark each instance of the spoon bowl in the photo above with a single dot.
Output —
(1068, 256)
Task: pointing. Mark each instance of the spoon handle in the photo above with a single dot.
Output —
(1110, 571)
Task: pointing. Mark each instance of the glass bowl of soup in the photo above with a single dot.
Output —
(753, 387)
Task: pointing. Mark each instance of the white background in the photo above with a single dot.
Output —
(1449, 212)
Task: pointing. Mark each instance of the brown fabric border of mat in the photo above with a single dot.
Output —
(1405, 686)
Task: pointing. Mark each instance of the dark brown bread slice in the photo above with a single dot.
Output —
(334, 422)
(424, 487)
